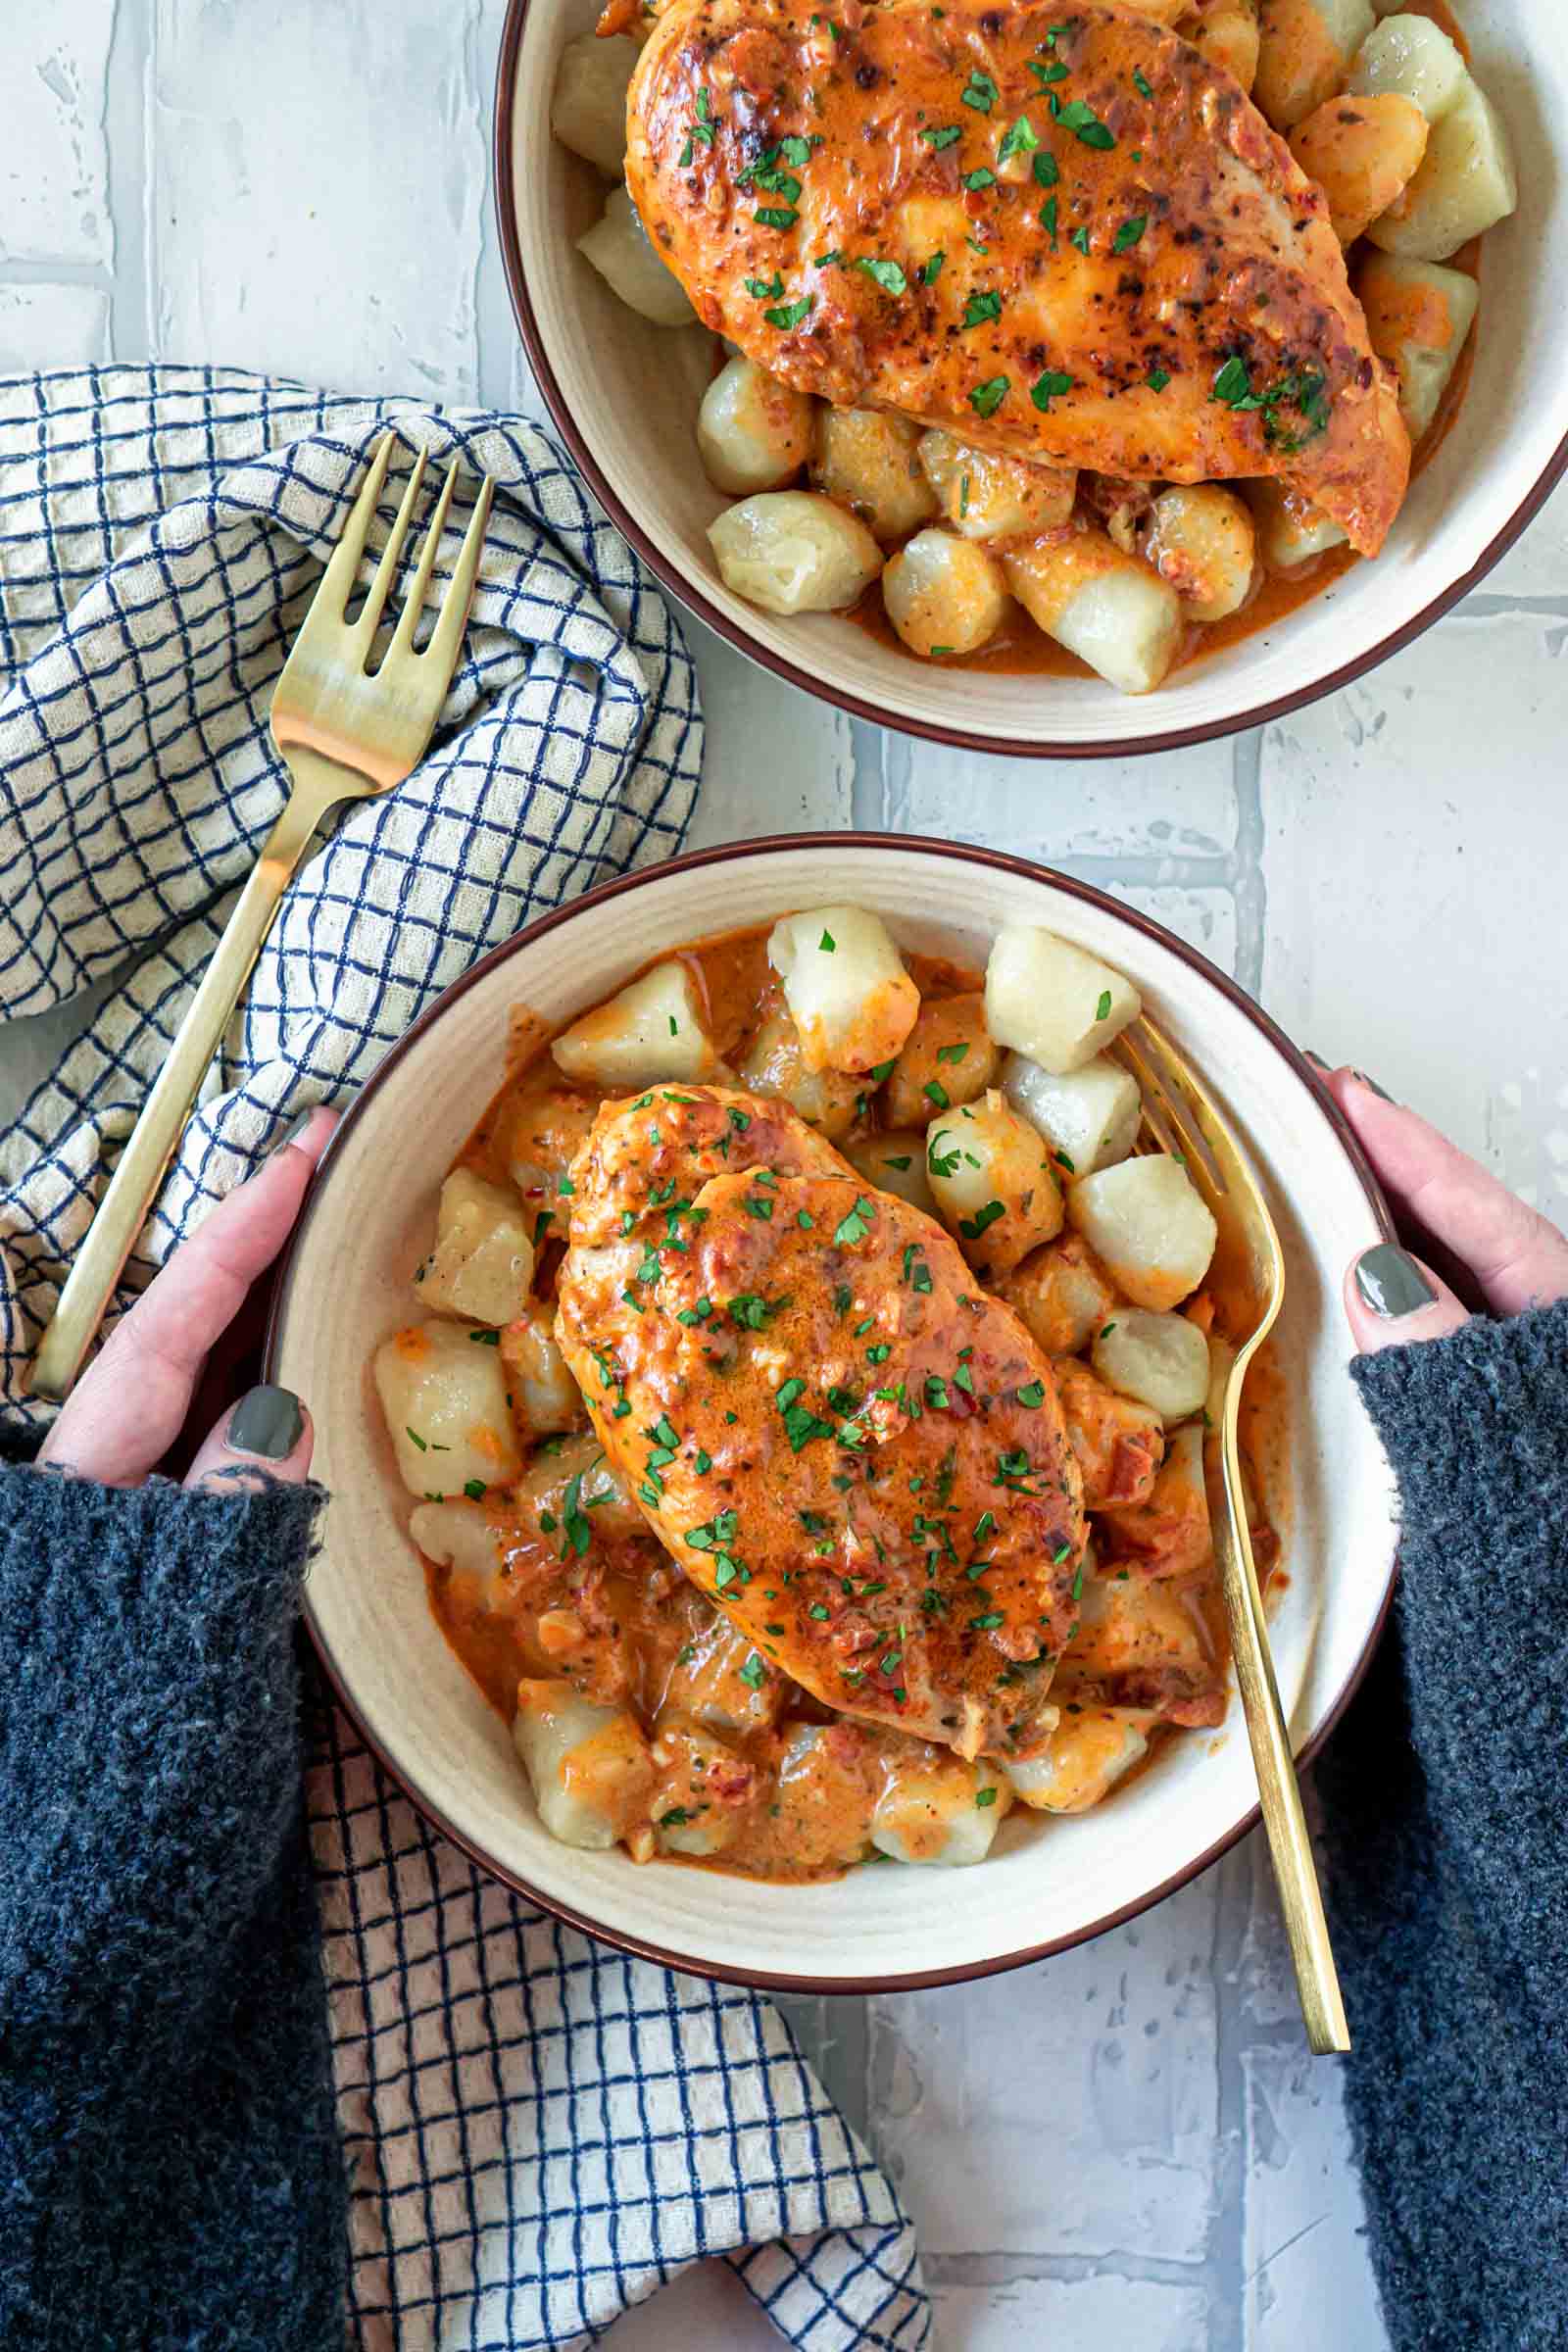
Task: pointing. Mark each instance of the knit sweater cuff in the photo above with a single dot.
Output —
(1474, 1425)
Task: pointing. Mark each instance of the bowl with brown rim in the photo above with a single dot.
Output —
(624, 395)
(1049, 1881)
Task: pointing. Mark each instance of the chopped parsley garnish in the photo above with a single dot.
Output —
(1049, 387)
(941, 1163)
(1157, 378)
(574, 1518)
(1102, 1008)
(796, 150)
(788, 315)
(944, 137)
(987, 398)
(982, 93)
(677, 1816)
(986, 1623)
(475, 1489)
(414, 1436)
(937, 1094)
(1084, 123)
(829, 261)
(985, 1796)
(982, 177)
(757, 1205)
(886, 274)
(1047, 220)
(1046, 74)
(1129, 233)
(1080, 238)
(828, 944)
(858, 1224)
(740, 1121)
(929, 272)
(953, 1053)
(1021, 139)
(1034, 1396)
(754, 1672)
(1046, 169)
(977, 311)
(490, 1338)
(1302, 391)
(1140, 83)
(775, 216)
(974, 1227)
(819, 1611)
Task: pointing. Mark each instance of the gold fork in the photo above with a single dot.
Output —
(344, 735)
(1181, 1117)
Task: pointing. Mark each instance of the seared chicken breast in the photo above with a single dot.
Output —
(851, 1449)
(1059, 233)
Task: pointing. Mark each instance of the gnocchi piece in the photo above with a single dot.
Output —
(617, 246)
(791, 551)
(895, 1162)
(1227, 32)
(935, 1808)
(1201, 540)
(1161, 1360)
(1416, 58)
(775, 1064)
(571, 1477)
(1361, 152)
(844, 984)
(701, 1793)
(984, 497)
(1147, 1224)
(588, 1766)
(944, 595)
(1062, 1295)
(460, 1535)
(543, 1131)
(948, 1059)
(444, 1396)
(1084, 1758)
(1292, 531)
(1139, 1643)
(866, 461)
(1053, 1002)
(647, 1032)
(1089, 1117)
(1104, 605)
(1170, 1535)
(706, 1684)
(1466, 184)
(482, 1263)
(1304, 53)
(588, 110)
(993, 1183)
(752, 433)
(545, 1398)
(1117, 1443)
(823, 1798)
(1418, 315)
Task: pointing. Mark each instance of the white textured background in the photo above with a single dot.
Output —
(1126, 2145)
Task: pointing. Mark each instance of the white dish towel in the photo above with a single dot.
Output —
(539, 2131)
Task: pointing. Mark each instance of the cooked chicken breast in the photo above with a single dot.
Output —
(847, 1445)
(1059, 233)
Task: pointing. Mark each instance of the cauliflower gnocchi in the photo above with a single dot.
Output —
(995, 499)
(619, 249)
(1110, 609)
(1466, 184)
(588, 110)
(791, 551)
(754, 433)
(866, 461)
(1201, 542)
(588, 1526)
(944, 595)
(1419, 315)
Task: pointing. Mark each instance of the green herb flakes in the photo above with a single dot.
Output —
(987, 398)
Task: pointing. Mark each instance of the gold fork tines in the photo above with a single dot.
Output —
(1181, 1117)
(345, 732)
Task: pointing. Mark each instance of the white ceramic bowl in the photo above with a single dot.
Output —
(1048, 1883)
(624, 395)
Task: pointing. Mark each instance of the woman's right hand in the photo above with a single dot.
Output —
(1516, 1258)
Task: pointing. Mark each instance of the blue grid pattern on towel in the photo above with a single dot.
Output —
(539, 2131)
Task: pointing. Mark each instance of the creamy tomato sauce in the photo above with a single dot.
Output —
(576, 1592)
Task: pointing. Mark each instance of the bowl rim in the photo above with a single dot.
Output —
(618, 886)
(818, 684)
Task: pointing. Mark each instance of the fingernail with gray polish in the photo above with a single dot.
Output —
(267, 1421)
(1381, 1091)
(1392, 1284)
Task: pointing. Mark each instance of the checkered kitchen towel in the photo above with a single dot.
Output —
(539, 2131)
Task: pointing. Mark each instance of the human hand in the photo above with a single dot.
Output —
(130, 1405)
(1515, 1257)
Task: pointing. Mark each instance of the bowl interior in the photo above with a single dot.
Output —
(596, 362)
(347, 1285)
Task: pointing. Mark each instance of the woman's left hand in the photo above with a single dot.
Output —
(130, 1405)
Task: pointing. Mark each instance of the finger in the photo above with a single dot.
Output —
(269, 1435)
(127, 1409)
(1518, 1258)
(1393, 1298)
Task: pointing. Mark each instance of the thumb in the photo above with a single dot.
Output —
(1393, 1298)
(267, 1436)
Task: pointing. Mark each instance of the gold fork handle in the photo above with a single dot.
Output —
(1289, 1841)
(121, 1214)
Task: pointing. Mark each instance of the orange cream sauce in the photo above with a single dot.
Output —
(625, 1624)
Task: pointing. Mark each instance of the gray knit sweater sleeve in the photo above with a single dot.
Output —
(170, 2167)
(1443, 1793)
